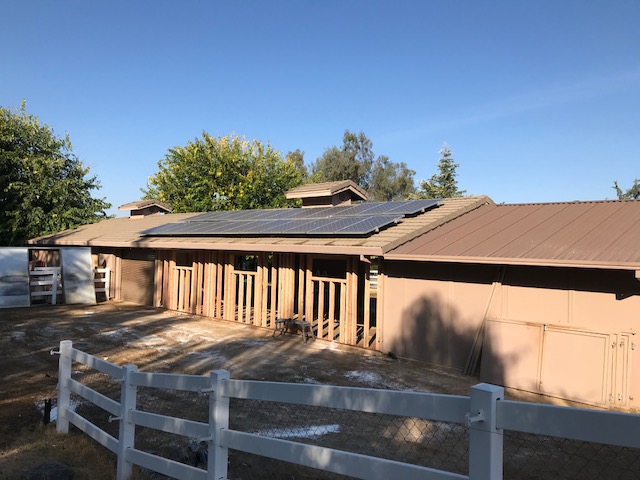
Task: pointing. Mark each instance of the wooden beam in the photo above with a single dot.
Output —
(332, 311)
(308, 313)
(301, 284)
(367, 304)
(380, 306)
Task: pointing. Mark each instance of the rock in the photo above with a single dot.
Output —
(49, 471)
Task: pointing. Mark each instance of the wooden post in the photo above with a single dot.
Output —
(332, 310)
(198, 278)
(367, 306)
(64, 394)
(264, 292)
(166, 285)
(380, 306)
(485, 439)
(157, 282)
(275, 278)
(218, 421)
(241, 277)
(249, 299)
(206, 284)
(127, 432)
(309, 291)
(342, 336)
(321, 287)
(230, 289)
(220, 268)
(173, 282)
(301, 285)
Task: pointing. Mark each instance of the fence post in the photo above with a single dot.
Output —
(485, 440)
(218, 420)
(64, 394)
(127, 430)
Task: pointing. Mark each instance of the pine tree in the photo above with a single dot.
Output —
(444, 183)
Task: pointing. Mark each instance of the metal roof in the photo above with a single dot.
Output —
(127, 232)
(598, 234)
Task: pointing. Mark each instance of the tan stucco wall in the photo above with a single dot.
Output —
(432, 313)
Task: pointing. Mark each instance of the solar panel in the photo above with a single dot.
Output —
(358, 219)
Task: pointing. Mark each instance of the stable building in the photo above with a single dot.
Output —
(543, 297)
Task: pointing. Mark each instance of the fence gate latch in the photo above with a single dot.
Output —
(54, 352)
(479, 417)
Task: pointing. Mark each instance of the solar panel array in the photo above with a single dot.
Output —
(360, 219)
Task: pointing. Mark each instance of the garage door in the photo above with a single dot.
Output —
(138, 278)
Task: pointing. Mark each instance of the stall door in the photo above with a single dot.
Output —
(576, 365)
(138, 278)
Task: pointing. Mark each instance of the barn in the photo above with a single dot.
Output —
(543, 297)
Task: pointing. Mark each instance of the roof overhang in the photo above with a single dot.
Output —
(531, 262)
(230, 246)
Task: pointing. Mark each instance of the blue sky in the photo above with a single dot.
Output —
(539, 101)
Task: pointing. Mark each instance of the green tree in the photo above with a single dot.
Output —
(355, 160)
(223, 173)
(632, 194)
(391, 181)
(352, 161)
(297, 158)
(444, 183)
(44, 188)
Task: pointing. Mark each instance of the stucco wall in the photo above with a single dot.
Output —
(432, 312)
(586, 352)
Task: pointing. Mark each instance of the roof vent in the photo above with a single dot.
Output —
(328, 194)
(143, 208)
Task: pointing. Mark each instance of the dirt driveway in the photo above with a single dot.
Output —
(161, 341)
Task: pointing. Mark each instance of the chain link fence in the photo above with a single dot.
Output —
(530, 457)
(438, 445)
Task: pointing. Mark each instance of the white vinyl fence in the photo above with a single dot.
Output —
(485, 412)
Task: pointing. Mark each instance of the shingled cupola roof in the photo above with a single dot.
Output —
(327, 194)
(142, 208)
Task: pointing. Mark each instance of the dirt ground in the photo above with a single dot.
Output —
(161, 341)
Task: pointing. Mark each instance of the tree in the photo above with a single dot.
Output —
(352, 161)
(391, 181)
(44, 187)
(297, 158)
(444, 183)
(632, 194)
(355, 160)
(223, 173)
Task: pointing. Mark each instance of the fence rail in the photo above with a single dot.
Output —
(484, 415)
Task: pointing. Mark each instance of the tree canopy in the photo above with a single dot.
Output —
(44, 187)
(632, 194)
(356, 161)
(443, 184)
(224, 173)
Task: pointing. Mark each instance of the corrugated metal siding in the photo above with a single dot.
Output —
(581, 233)
(138, 278)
